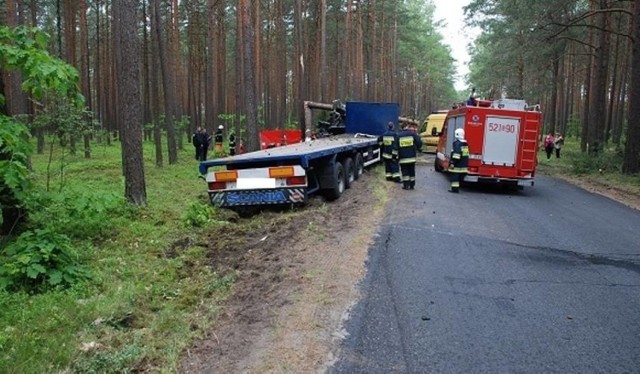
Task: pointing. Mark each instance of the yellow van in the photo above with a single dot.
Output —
(433, 127)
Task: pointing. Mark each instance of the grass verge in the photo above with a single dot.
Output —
(145, 301)
(603, 169)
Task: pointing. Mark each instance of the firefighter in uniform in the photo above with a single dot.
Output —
(459, 160)
(232, 144)
(219, 138)
(389, 144)
(409, 143)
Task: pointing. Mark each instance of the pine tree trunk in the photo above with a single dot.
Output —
(167, 85)
(129, 98)
(631, 162)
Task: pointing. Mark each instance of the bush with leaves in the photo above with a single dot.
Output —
(38, 261)
(199, 215)
(24, 49)
(609, 160)
(41, 258)
(14, 175)
(78, 214)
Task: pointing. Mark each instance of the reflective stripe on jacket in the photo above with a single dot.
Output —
(460, 156)
(409, 144)
(389, 144)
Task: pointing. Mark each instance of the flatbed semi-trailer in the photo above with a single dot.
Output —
(290, 174)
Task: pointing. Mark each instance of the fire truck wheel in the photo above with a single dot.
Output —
(338, 183)
(349, 171)
(437, 166)
(359, 166)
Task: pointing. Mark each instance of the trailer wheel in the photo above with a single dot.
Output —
(246, 211)
(349, 172)
(359, 166)
(338, 183)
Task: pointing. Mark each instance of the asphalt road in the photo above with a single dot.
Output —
(545, 280)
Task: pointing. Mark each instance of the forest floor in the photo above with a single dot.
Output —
(297, 281)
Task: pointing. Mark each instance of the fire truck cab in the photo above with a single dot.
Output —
(503, 139)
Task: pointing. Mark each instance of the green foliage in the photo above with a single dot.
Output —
(66, 119)
(183, 123)
(81, 214)
(39, 260)
(112, 361)
(199, 214)
(609, 161)
(231, 119)
(15, 149)
(574, 126)
(25, 49)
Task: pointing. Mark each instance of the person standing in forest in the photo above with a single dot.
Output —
(205, 141)
(196, 140)
(558, 142)
(219, 138)
(232, 144)
(548, 145)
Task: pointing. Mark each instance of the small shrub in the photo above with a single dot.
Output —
(82, 215)
(198, 214)
(584, 163)
(116, 361)
(39, 260)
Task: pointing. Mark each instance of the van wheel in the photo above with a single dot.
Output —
(349, 171)
(338, 183)
(359, 166)
(437, 166)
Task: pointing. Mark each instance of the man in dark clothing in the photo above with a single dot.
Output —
(459, 160)
(205, 140)
(409, 143)
(196, 139)
(389, 145)
(232, 144)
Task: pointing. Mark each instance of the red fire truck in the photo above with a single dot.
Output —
(502, 137)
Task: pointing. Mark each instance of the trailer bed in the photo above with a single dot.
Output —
(298, 153)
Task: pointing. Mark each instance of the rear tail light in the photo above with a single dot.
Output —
(473, 169)
(296, 181)
(217, 185)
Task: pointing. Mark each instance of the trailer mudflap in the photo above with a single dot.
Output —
(277, 196)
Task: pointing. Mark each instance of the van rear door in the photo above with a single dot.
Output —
(501, 136)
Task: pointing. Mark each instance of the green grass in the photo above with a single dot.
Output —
(141, 307)
(603, 169)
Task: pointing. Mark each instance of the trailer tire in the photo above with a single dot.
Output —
(359, 166)
(349, 172)
(338, 183)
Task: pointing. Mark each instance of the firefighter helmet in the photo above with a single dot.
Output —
(459, 134)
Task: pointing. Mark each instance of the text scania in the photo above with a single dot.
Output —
(256, 198)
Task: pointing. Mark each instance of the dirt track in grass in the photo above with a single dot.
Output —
(297, 278)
